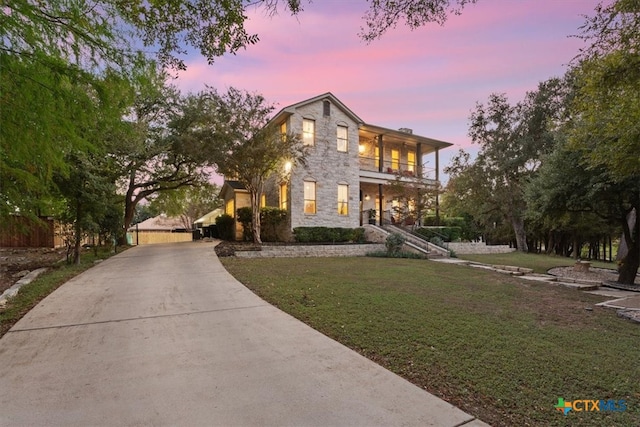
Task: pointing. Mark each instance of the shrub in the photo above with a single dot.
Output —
(245, 217)
(271, 218)
(224, 224)
(394, 243)
(447, 234)
(328, 234)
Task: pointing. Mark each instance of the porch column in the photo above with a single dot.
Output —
(381, 154)
(380, 202)
(438, 186)
(419, 160)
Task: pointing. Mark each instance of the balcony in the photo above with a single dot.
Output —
(392, 170)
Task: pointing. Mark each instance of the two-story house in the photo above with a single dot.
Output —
(348, 169)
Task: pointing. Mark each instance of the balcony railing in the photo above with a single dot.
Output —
(397, 168)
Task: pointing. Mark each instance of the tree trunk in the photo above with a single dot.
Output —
(631, 261)
(78, 236)
(255, 211)
(521, 235)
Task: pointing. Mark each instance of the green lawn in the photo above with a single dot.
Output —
(539, 263)
(499, 348)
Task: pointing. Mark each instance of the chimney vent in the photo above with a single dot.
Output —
(406, 130)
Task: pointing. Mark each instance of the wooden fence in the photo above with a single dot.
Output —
(20, 232)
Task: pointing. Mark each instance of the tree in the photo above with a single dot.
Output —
(606, 111)
(414, 197)
(95, 33)
(512, 140)
(385, 14)
(243, 144)
(151, 150)
(566, 184)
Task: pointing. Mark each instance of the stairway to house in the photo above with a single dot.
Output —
(418, 242)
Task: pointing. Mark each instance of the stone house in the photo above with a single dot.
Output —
(349, 167)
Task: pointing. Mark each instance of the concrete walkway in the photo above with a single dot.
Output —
(162, 335)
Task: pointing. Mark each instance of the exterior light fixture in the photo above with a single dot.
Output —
(361, 148)
(287, 167)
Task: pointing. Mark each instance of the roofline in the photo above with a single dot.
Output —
(290, 110)
(399, 134)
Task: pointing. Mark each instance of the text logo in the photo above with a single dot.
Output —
(589, 405)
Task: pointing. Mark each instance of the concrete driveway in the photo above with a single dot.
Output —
(162, 335)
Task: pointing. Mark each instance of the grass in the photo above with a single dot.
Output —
(538, 262)
(30, 295)
(497, 347)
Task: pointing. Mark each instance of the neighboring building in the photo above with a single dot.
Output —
(159, 229)
(348, 169)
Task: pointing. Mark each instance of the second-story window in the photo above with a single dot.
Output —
(395, 160)
(283, 130)
(411, 162)
(308, 132)
(343, 139)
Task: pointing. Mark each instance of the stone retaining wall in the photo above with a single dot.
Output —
(478, 248)
(311, 251)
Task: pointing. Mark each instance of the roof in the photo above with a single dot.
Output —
(210, 217)
(159, 223)
(229, 187)
(391, 134)
(365, 128)
(290, 110)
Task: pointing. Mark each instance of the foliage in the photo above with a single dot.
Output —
(400, 254)
(449, 234)
(245, 216)
(512, 140)
(187, 203)
(414, 198)
(328, 234)
(89, 198)
(225, 226)
(153, 151)
(116, 32)
(48, 106)
(385, 14)
(272, 219)
(243, 143)
(394, 243)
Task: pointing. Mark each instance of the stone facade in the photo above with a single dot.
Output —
(327, 167)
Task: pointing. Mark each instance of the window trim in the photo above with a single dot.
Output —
(305, 133)
(343, 203)
(313, 200)
(344, 140)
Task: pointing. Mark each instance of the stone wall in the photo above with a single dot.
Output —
(327, 167)
(462, 248)
(311, 251)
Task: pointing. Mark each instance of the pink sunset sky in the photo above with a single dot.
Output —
(428, 79)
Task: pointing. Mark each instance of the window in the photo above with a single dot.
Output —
(411, 162)
(343, 199)
(229, 208)
(326, 108)
(283, 131)
(263, 200)
(283, 196)
(308, 131)
(343, 142)
(309, 197)
(395, 160)
(377, 156)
